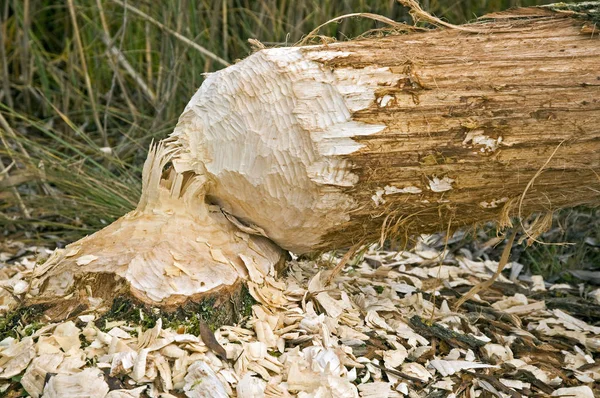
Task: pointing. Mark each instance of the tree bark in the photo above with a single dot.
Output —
(322, 147)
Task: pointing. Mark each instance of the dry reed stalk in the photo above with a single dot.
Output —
(86, 75)
(484, 285)
(179, 36)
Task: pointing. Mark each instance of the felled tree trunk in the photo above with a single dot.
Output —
(321, 147)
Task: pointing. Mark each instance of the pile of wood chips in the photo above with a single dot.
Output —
(385, 327)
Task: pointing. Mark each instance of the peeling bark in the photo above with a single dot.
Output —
(321, 147)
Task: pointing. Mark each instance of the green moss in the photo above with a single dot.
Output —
(275, 354)
(23, 321)
(125, 309)
(379, 289)
(26, 320)
(189, 316)
(83, 340)
(247, 303)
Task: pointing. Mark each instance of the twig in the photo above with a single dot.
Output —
(172, 32)
(117, 78)
(349, 254)
(120, 58)
(449, 336)
(484, 285)
(529, 184)
(499, 315)
(496, 383)
(397, 373)
(442, 258)
(14, 296)
(419, 14)
(531, 378)
(375, 17)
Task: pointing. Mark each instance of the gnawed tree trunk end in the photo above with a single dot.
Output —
(326, 146)
(321, 147)
(172, 250)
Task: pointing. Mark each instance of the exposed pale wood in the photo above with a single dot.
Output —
(322, 147)
(171, 250)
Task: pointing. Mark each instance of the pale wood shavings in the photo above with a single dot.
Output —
(202, 382)
(35, 376)
(448, 368)
(15, 357)
(384, 327)
(88, 383)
